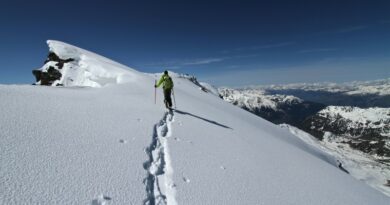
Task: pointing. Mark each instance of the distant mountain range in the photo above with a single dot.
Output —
(275, 108)
(316, 109)
(361, 94)
(349, 119)
(367, 130)
(376, 87)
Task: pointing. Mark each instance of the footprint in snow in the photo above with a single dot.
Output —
(122, 141)
(101, 200)
(177, 139)
(139, 120)
(185, 179)
(172, 185)
(223, 168)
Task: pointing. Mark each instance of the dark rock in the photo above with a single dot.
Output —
(50, 74)
(48, 77)
(37, 74)
(388, 183)
(60, 62)
(53, 73)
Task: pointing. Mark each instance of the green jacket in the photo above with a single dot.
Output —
(167, 82)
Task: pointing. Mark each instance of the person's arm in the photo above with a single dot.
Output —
(160, 81)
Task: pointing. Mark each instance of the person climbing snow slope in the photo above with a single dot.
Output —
(167, 83)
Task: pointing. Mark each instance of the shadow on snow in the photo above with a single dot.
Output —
(201, 118)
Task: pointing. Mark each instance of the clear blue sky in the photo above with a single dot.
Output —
(225, 43)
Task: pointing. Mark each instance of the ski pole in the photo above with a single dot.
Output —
(174, 100)
(155, 91)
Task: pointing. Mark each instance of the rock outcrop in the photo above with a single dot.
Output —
(51, 71)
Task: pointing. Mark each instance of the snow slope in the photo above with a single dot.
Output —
(113, 145)
(361, 165)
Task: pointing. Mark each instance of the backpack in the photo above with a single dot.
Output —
(168, 83)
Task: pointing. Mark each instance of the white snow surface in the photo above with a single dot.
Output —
(114, 145)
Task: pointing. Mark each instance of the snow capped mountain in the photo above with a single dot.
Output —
(78, 67)
(372, 118)
(359, 94)
(367, 130)
(255, 99)
(377, 87)
(99, 144)
(275, 108)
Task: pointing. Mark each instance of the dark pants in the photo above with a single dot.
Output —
(167, 97)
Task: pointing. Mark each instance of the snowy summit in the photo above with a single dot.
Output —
(84, 68)
(100, 138)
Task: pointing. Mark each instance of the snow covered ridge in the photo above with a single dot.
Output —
(69, 65)
(202, 85)
(377, 87)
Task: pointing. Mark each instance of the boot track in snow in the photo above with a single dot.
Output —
(160, 188)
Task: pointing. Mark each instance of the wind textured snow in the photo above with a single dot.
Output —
(81, 144)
